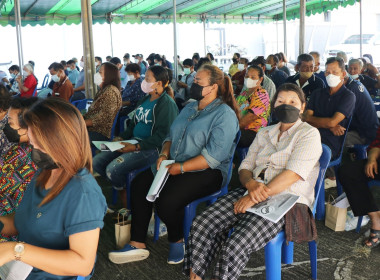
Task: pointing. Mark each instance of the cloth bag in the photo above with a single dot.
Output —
(122, 228)
(335, 216)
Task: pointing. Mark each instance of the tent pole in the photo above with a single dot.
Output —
(361, 28)
(204, 34)
(111, 38)
(284, 20)
(175, 40)
(18, 34)
(88, 48)
(302, 27)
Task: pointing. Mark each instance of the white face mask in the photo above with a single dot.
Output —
(241, 67)
(186, 71)
(268, 67)
(81, 64)
(136, 60)
(55, 78)
(354, 76)
(98, 80)
(333, 80)
(131, 78)
(249, 83)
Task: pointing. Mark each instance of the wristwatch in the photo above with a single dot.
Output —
(19, 250)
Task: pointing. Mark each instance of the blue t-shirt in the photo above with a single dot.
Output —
(313, 83)
(325, 105)
(364, 121)
(79, 207)
(144, 119)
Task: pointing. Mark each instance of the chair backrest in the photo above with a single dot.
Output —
(236, 141)
(35, 91)
(80, 104)
(344, 138)
(45, 82)
(114, 125)
(324, 161)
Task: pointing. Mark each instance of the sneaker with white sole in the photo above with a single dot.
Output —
(329, 183)
(128, 254)
(176, 253)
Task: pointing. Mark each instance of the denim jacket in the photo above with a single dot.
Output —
(209, 132)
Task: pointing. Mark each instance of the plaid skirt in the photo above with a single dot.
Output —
(208, 238)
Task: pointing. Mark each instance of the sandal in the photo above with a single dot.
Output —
(374, 234)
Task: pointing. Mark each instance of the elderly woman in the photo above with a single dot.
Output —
(29, 84)
(62, 211)
(16, 166)
(254, 105)
(282, 158)
(201, 141)
(107, 103)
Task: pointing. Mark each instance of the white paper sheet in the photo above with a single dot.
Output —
(112, 146)
(15, 270)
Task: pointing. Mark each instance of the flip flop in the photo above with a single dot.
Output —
(374, 234)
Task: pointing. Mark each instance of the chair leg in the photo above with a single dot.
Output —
(338, 184)
(114, 196)
(128, 187)
(320, 214)
(273, 258)
(313, 259)
(156, 227)
(359, 224)
(287, 252)
(187, 221)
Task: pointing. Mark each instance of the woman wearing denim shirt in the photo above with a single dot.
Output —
(201, 141)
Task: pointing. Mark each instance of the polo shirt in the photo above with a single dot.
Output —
(364, 121)
(325, 105)
(73, 76)
(321, 74)
(79, 207)
(278, 77)
(63, 89)
(30, 82)
(311, 84)
(369, 83)
(80, 81)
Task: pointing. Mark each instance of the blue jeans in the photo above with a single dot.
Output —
(115, 165)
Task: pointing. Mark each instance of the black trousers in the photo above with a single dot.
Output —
(246, 138)
(355, 184)
(178, 191)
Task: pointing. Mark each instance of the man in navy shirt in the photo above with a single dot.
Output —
(305, 77)
(317, 70)
(330, 108)
(364, 122)
(355, 67)
(277, 76)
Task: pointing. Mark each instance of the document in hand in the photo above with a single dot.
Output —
(159, 181)
(112, 146)
(275, 207)
(15, 270)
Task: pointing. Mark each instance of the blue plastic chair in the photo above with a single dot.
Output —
(114, 126)
(45, 82)
(130, 176)
(81, 104)
(122, 121)
(273, 258)
(35, 92)
(321, 209)
(80, 278)
(190, 209)
(360, 151)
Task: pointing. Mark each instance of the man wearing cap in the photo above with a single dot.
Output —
(139, 60)
(123, 74)
(126, 59)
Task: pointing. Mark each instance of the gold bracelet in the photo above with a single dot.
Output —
(163, 155)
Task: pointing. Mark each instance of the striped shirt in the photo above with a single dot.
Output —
(298, 149)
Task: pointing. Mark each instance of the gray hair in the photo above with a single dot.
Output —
(356, 61)
(29, 67)
(342, 55)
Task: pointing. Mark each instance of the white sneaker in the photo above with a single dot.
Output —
(128, 254)
(329, 183)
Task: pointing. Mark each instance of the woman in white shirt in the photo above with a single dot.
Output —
(282, 158)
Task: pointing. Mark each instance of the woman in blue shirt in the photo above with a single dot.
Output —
(201, 141)
(59, 219)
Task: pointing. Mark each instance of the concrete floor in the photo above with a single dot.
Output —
(340, 256)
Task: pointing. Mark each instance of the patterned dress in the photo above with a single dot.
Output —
(16, 171)
(258, 103)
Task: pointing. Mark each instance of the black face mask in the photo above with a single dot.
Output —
(11, 134)
(42, 160)
(196, 92)
(286, 113)
(234, 60)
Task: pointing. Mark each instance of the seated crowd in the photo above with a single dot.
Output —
(47, 155)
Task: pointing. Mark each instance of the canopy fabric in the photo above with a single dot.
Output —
(60, 12)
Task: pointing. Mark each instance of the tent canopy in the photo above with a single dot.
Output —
(42, 12)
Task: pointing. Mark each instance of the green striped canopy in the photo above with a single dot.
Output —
(42, 12)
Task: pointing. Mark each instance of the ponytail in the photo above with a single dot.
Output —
(225, 89)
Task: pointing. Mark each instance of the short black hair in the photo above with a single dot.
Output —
(237, 54)
(196, 56)
(258, 69)
(63, 62)
(70, 62)
(98, 58)
(211, 56)
(5, 98)
(108, 57)
(305, 57)
(188, 62)
(22, 104)
(245, 60)
(115, 60)
(337, 59)
(259, 60)
(56, 66)
(275, 58)
(14, 68)
(133, 68)
(127, 56)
